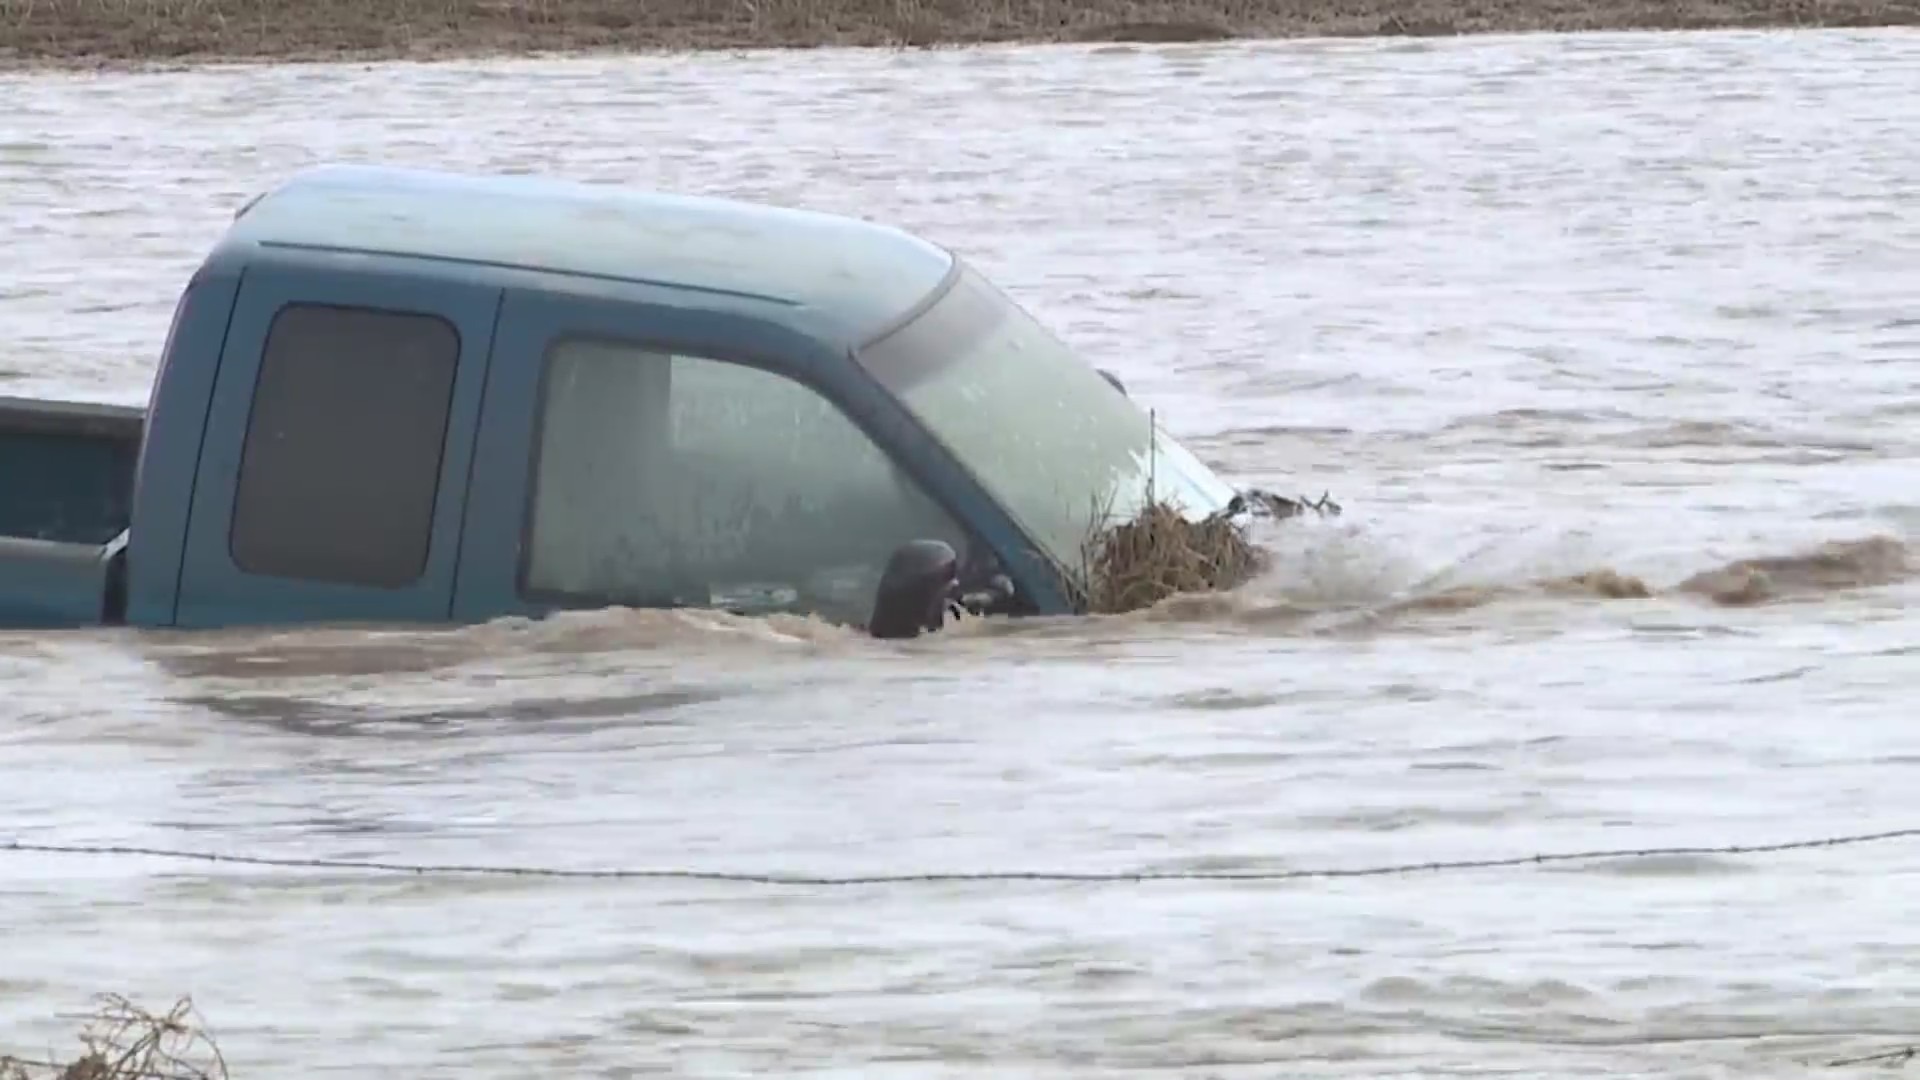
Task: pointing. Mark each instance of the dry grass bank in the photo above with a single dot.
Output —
(117, 32)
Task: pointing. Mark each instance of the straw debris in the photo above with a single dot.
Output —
(122, 1041)
(1159, 553)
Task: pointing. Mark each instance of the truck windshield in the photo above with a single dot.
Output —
(1039, 428)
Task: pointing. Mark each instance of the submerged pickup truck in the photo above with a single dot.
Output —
(399, 395)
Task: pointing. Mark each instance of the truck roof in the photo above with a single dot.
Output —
(840, 276)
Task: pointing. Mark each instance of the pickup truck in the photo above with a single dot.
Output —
(404, 395)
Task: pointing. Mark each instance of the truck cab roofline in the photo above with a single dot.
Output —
(840, 277)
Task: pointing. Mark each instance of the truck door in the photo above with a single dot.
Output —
(333, 478)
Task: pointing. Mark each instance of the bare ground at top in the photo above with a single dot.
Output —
(120, 32)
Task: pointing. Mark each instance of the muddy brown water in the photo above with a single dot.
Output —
(1610, 345)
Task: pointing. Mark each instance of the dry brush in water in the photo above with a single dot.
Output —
(1160, 552)
(122, 1041)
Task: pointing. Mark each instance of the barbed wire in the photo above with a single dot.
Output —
(1894, 1057)
(1885, 1057)
(770, 878)
(61, 1069)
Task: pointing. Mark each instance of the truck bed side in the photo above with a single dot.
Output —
(66, 469)
(66, 492)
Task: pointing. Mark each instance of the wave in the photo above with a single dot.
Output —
(1321, 577)
(1296, 591)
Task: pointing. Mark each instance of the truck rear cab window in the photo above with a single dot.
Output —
(343, 447)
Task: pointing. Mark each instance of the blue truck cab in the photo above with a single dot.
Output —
(399, 395)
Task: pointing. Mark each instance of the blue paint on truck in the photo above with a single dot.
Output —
(396, 395)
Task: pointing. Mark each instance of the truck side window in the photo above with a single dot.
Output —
(670, 480)
(342, 456)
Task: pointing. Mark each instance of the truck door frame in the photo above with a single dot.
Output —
(214, 590)
(532, 320)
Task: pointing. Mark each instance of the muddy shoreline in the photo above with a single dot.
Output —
(166, 33)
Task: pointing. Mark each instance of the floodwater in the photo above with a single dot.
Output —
(1545, 314)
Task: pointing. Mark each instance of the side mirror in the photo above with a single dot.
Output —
(1114, 379)
(922, 576)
